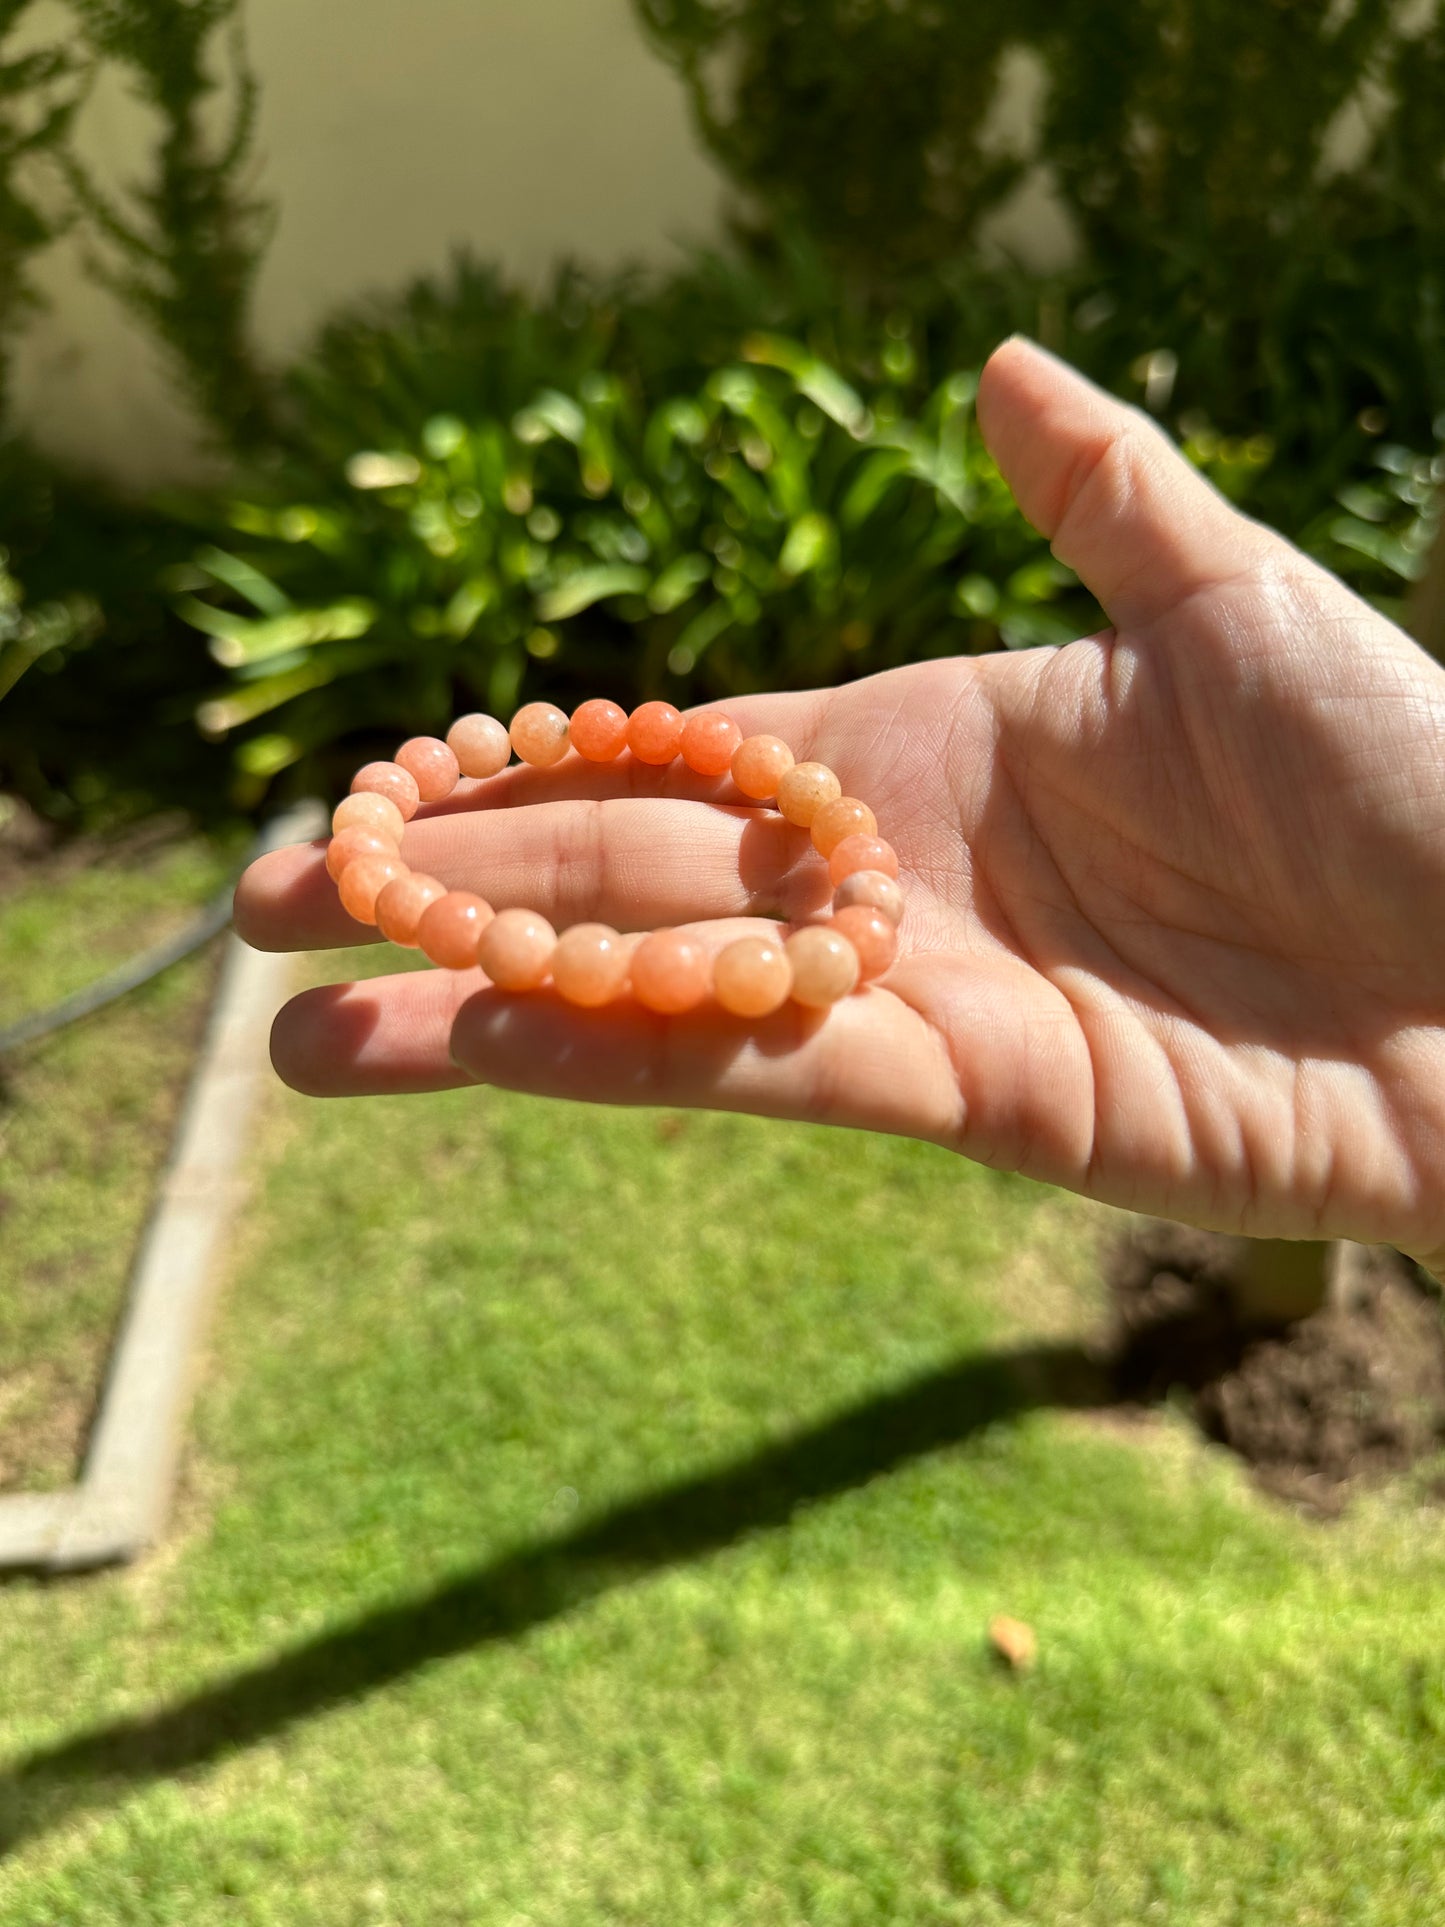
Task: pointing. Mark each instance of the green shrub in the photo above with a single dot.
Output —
(183, 245)
(39, 89)
(777, 525)
(781, 523)
(1379, 530)
(101, 724)
(99, 678)
(616, 488)
(762, 469)
(1192, 146)
(471, 343)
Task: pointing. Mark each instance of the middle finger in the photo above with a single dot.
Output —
(637, 863)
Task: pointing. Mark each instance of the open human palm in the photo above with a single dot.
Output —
(1175, 931)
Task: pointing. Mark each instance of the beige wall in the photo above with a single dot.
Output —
(392, 131)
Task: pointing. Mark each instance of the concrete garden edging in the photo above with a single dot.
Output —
(123, 1498)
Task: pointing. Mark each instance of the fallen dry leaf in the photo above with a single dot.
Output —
(1015, 1643)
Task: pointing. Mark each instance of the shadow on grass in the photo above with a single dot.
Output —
(506, 1597)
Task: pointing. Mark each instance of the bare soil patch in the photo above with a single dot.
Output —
(1352, 1394)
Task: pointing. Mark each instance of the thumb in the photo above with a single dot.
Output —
(1119, 504)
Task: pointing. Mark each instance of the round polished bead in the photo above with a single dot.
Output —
(351, 844)
(709, 742)
(391, 781)
(362, 881)
(759, 764)
(873, 937)
(599, 731)
(654, 733)
(517, 948)
(670, 972)
(480, 744)
(401, 903)
(365, 810)
(540, 734)
(861, 853)
(844, 816)
(449, 929)
(875, 890)
(431, 765)
(825, 966)
(804, 791)
(590, 964)
(752, 977)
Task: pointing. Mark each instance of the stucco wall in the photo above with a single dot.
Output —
(392, 131)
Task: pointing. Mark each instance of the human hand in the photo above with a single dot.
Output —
(1175, 931)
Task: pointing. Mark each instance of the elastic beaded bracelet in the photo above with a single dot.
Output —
(668, 971)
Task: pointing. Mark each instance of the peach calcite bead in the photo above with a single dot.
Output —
(365, 810)
(844, 816)
(449, 929)
(870, 933)
(480, 744)
(590, 964)
(390, 780)
(670, 972)
(804, 791)
(709, 743)
(599, 731)
(825, 966)
(540, 734)
(401, 903)
(752, 977)
(431, 765)
(516, 949)
(350, 844)
(654, 733)
(759, 764)
(861, 853)
(361, 884)
(875, 889)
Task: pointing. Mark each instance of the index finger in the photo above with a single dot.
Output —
(625, 843)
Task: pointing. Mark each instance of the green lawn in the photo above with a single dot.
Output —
(85, 1118)
(596, 1518)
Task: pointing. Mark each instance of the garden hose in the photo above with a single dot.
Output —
(294, 825)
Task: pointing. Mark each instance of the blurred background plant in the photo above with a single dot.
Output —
(183, 246)
(773, 525)
(104, 727)
(759, 467)
(39, 89)
(1251, 186)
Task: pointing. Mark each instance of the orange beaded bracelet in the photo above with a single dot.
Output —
(668, 971)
